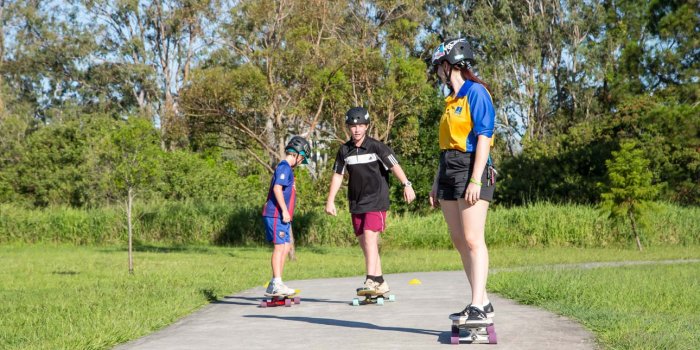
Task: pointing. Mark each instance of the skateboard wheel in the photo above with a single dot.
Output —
(287, 302)
(263, 303)
(356, 302)
(491, 330)
(454, 340)
(297, 300)
(380, 301)
(392, 297)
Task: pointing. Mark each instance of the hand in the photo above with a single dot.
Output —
(330, 209)
(408, 194)
(286, 217)
(432, 198)
(472, 193)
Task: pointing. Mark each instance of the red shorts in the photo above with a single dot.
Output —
(373, 221)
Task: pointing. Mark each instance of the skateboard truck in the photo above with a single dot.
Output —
(476, 333)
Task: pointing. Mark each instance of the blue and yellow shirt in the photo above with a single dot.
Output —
(467, 115)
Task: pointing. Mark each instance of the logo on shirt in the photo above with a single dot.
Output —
(281, 176)
(458, 110)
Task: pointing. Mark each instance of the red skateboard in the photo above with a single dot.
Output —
(280, 300)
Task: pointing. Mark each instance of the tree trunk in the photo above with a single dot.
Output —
(634, 229)
(292, 249)
(129, 202)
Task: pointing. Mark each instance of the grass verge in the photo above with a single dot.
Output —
(59, 297)
(630, 307)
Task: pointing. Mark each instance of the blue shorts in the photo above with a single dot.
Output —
(276, 231)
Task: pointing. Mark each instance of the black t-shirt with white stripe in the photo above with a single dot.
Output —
(368, 168)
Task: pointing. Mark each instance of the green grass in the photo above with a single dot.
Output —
(551, 225)
(633, 307)
(59, 297)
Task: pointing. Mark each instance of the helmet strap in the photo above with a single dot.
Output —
(449, 77)
(448, 74)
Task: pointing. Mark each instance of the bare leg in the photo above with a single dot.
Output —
(452, 212)
(278, 258)
(474, 225)
(370, 247)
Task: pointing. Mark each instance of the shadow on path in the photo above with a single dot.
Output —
(256, 300)
(443, 336)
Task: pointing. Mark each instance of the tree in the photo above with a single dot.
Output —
(289, 52)
(154, 41)
(629, 186)
(44, 55)
(135, 162)
(310, 69)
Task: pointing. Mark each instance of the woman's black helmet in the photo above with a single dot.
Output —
(357, 115)
(456, 52)
(300, 146)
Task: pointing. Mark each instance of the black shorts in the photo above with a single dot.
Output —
(456, 168)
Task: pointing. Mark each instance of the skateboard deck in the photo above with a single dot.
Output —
(371, 298)
(476, 333)
(281, 300)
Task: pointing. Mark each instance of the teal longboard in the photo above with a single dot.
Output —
(371, 298)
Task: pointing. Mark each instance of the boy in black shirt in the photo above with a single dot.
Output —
(367, 162)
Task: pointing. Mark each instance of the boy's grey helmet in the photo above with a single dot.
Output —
(456, 52)
(300, 146)
(357, 115)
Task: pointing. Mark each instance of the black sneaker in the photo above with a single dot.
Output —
(461, 314)
(477, 316)
(488, 309)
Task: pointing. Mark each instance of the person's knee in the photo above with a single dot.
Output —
(280, 248)
(370, 236)
(476, 243)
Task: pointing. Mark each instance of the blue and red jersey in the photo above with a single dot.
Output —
(283, 176)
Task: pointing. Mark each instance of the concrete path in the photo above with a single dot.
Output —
(326, 320)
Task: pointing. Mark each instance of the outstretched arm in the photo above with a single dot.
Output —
(408, 194)
(336, 181)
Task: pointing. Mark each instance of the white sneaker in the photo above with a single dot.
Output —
(279, 289)
(284, 290)
(382, 288)
(369, 288)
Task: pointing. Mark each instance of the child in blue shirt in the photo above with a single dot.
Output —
(279, 210)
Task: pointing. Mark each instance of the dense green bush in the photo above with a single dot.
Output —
(226, 223)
